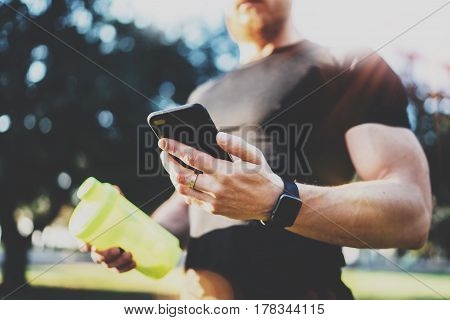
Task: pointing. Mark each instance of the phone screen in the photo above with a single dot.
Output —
(190, 125)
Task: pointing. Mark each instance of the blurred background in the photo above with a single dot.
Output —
(70, 109)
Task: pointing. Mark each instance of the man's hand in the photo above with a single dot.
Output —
(114, 258)
(245, 189)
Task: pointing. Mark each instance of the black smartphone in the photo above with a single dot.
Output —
(189, 124)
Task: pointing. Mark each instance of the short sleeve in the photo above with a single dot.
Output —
(381, 94)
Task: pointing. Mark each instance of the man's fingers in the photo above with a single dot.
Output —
(171, 165)
(118, 189)
(174, 168)
(123, 260)
(190, 156)
(127, 267)
(85, 247)
(240, 148)
(114, 258)
(97, 258)
(105, 255)
(180, 175)
(196, 195)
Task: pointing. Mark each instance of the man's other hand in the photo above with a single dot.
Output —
(114, 258)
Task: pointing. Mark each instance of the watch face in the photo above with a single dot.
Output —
(287, 210)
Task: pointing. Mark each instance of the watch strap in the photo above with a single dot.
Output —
(287, 207)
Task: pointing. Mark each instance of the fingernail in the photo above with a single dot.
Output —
(163, 156)
(221, 136)
(162, 143)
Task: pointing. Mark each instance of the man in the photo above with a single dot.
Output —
(348, 116)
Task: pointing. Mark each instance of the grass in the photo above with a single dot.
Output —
(92, 276)
(364, 284)
(397, 285)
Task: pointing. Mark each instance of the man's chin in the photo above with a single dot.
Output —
(247, 27)
(250, 24)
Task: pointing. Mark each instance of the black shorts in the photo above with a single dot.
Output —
(261, 263)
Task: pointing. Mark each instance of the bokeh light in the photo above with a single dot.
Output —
(5, 123)
(36, 72)
(107, 33)
(64, 180)
(25, 226)
(29, 121)
(37, 7)
(45, 125)
(39, 52)
(105, 118)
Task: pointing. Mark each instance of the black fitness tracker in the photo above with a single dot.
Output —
(287, 207)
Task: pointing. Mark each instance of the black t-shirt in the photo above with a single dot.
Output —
(295, 105)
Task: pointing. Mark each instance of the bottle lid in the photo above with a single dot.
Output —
(87, 187)
(97, 200)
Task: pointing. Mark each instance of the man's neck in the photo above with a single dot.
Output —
(254, 51)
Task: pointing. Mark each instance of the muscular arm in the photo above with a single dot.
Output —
(173, 215)
(391, 207)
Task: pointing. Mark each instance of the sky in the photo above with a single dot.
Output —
(330, 22)
(394, 28)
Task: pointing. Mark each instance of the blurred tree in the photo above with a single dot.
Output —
(62, 118)
(434, 133)
(429, 112)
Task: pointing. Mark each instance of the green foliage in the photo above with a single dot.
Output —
(75, 85)
(79, 119)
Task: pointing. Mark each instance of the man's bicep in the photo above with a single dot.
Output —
(394, 157)
(380, 152)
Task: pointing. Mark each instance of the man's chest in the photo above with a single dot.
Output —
(252, 97)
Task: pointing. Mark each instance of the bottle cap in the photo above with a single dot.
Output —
(87, 188)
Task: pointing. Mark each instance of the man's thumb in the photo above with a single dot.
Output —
(239, 148)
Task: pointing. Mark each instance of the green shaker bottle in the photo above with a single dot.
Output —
(104, 218)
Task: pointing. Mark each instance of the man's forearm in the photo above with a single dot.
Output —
(378, 214)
